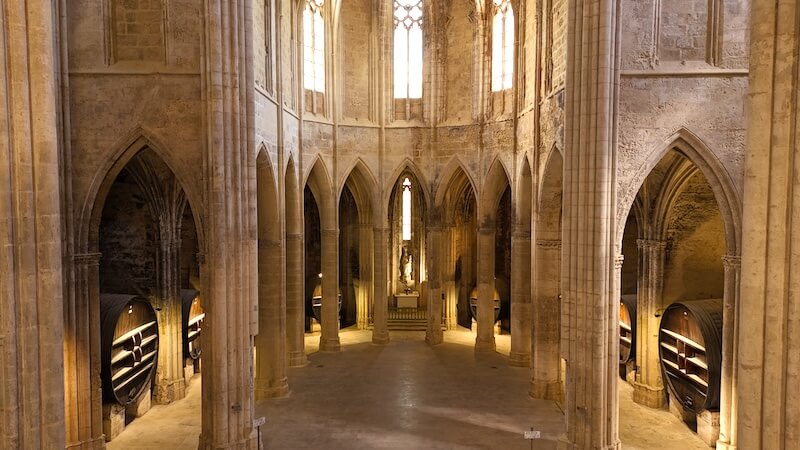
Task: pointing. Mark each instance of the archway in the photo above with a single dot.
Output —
(270, 343)
(547, 377)
(680, 241)
(148, 242)
(455, 198)
(407, 251)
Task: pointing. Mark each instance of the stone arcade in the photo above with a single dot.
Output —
(221, 187)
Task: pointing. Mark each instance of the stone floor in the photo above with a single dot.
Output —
(406, 395)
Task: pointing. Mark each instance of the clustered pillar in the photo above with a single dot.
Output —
(329, 338)
(648, 388)
(486, 249)
(520, 299)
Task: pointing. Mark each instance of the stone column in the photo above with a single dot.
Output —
(648, 389)
(380, 328)
(364, 293)
(295, 300)
(270, 374)
(31, 290)
(520, 299)
(231, 253)
(170, 384)
(329, 338)
(484, 342)
(546, 380)
(769, 313)
(448, 278)
(730, 332)
(434, 335)
(590, 313)
(83, 396)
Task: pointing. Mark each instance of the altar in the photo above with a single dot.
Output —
(410, 300)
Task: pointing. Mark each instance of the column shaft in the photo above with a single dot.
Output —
(546, 382)
(730, 331)
(380, 330)
(434, 334)
(329, 338)
(520, 300)
(295, 302)
(486, 251)
(270, 374)
(648, 388)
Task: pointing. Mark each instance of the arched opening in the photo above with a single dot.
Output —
(407, 251)
(270, 343)
(349, 257)
(147, 239)
(548, 373)
(456, 199)
(502, 258)
(674, 243)
(313, 262)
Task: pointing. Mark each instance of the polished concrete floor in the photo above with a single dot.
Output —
(406, 395)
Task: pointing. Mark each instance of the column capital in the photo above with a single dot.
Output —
(548, 243)
(618, 260)
(732, 261)
(523, 235)
(201, 258)
(89, 259)
(486, 230)
(651, 244)
(330, 233)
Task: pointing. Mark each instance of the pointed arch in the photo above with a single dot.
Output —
(726, 194)
(523, 196)
(292, 193)
(494, 185)
(137, 140)
(267, 198)
(454, 172)
(319, 181)
(363, 185)
(407, 165)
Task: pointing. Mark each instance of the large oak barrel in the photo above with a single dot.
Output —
(193, 318)
(473, 303)
(128, 346)
(690, 350)
(627, 328)
(316, 301)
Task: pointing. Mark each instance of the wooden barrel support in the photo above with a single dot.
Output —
(193, 319)
(690, 350)
(128, 346)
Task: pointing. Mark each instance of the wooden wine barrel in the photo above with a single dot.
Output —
(627, 328)
(128, 346)
(193, 318)
(690, 350)
(473, 303)
(316, 302)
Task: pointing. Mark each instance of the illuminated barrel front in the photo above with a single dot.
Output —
(690, 349)
(473, 303)
(627, 328)
(128, 346)
(193, 318)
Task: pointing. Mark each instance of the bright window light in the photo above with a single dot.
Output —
(502, 46)
(314, 46)
(406, 209)
(408, 49)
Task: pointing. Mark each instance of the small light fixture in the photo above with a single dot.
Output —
(320, 275)
(130, 309)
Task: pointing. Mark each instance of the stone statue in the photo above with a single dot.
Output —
(406, 267)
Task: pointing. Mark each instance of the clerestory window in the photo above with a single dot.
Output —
(314, 46)
(502, 46)
(408, 48)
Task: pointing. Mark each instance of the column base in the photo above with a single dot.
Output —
(568, 445)
(518, 359)
(140, 406)
(652, 397)
(264, 390)
(250, 443)
(113, 420)
(298, 359)
(97, 443)
(725, 446)
(485, 345)
(329, 344)
(434, 337)
(546, 390)
(380, 337)
(167, 391)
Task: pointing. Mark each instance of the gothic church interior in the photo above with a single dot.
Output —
(242, 224)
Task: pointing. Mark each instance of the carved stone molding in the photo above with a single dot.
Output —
(651, 244)
(89, 259)
(548, 243)
(618, 260)
(732, 261)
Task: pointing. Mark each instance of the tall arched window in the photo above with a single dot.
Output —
(502, 46)
(406, 209)
(407, 48)
(314, 46)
